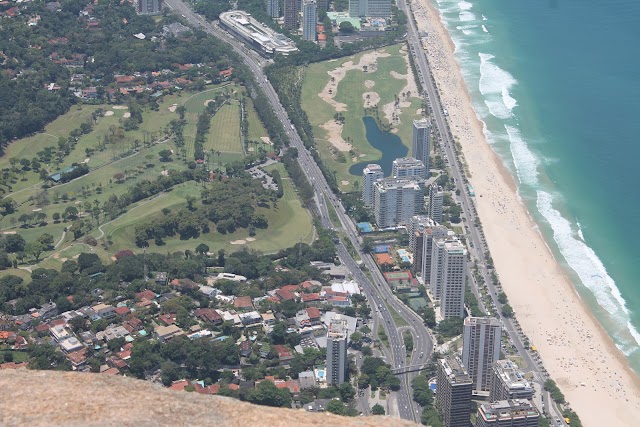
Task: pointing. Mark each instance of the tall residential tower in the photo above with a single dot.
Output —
(309, 20)
(370, 174)
(337, 351)
(453, 395)
(395, 201)
(420, 142)
(481, 349)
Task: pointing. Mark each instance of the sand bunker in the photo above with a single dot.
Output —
(120, 107)
(173, 108)
(207, 102)
(369, 84)
(250, 239)
(9, 232)
(238, 242)
(334, 135)
(126, 115)
(330, 90)
(266, 140)
(370, 99)
(108, 113)
(344, 182)
(87, 160)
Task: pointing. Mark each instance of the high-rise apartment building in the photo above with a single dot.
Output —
(370, 174)
(395, 201)
(454, 278)
(434, 203)
(149, 7)
(438, 253)
(337, 351)
(309, 20)
(291, 14)
(507, 413)
(431, 235)
(481, 348)
(508, 382)
(420, 142)
(453, 395)
(417, 223)
(323, 5)
(408, 167)
(370, 8)
(273, 8)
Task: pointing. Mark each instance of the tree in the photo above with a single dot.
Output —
(202, 249)
(502, 297)
(336, 407)
(346, 27)
(377, 409)
(14, 243)
(507, 311)
(46, 240)
(165, 155)
(450, 327)
(35, 249)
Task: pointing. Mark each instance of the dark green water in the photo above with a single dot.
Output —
(389, 144)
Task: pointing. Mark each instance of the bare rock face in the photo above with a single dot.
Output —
(46, 398)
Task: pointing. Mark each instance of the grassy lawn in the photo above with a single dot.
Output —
(333, 216)
(224, 134)
(399, 321)
(256, 128)
(18, 356)
(24, 274)
(289, 224)
(350, 92)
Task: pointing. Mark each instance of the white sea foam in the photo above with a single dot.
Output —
(494, 85)
(484, 28)
(523, 158)
(466, 29)
(580, 231)
(589, 268)
(465, 16)
(508, 100)
(484, 18)
(465, 5)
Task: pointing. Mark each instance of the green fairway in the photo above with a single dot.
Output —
(224, 134)
(289, 224)
(351, 92)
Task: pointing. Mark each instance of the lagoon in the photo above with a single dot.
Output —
(389, 144)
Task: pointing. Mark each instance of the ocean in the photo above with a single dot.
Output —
(557, 84)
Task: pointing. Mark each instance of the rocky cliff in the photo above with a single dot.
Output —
(45, 398)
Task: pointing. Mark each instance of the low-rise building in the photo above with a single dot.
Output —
(165, 333)
(507, 413)
(508, 382)
(104, 311)
(251, 31)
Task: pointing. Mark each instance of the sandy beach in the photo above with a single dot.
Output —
(575, 350)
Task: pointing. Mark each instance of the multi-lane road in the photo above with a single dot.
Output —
(376, 290)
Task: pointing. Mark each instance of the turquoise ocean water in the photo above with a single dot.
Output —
(557, 84)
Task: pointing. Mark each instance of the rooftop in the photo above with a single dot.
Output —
(507, 409)
(511, 375)
(455, 371)
(248, 27)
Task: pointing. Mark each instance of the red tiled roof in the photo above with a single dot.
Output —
(234, 386)
(208, 315)
(111, 371)
(167, 319)
(243, 302)
(310, 297)
(5, 335)
(121, 311)
(285, 295)
(179, 385)
(283, 351)
(313, 313)
(146, 295)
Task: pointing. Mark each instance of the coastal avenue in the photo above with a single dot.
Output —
(378, 293)
(478, 247)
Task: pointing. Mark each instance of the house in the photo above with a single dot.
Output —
(77, 358)
(167, 318)
(265, 349)
(7, 336)
(112, 332)
(310, 298)
(268, 318)
(104, 311)
(184, 284)
(307, 379)
(161, 278)
(225, 74)
(314, 315)
(250, 318)
(59, 333)
(90, 93)
(76, 79)
(70, 344)
(122, 312)
(245, 348)
(125, 79)
(208, 315)
(164, 333)
(284, 354)
(232, 277)
(286, 295)
(292, 385)
(133, 324)
(243, 303)
(146, 295)
(318, 405)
